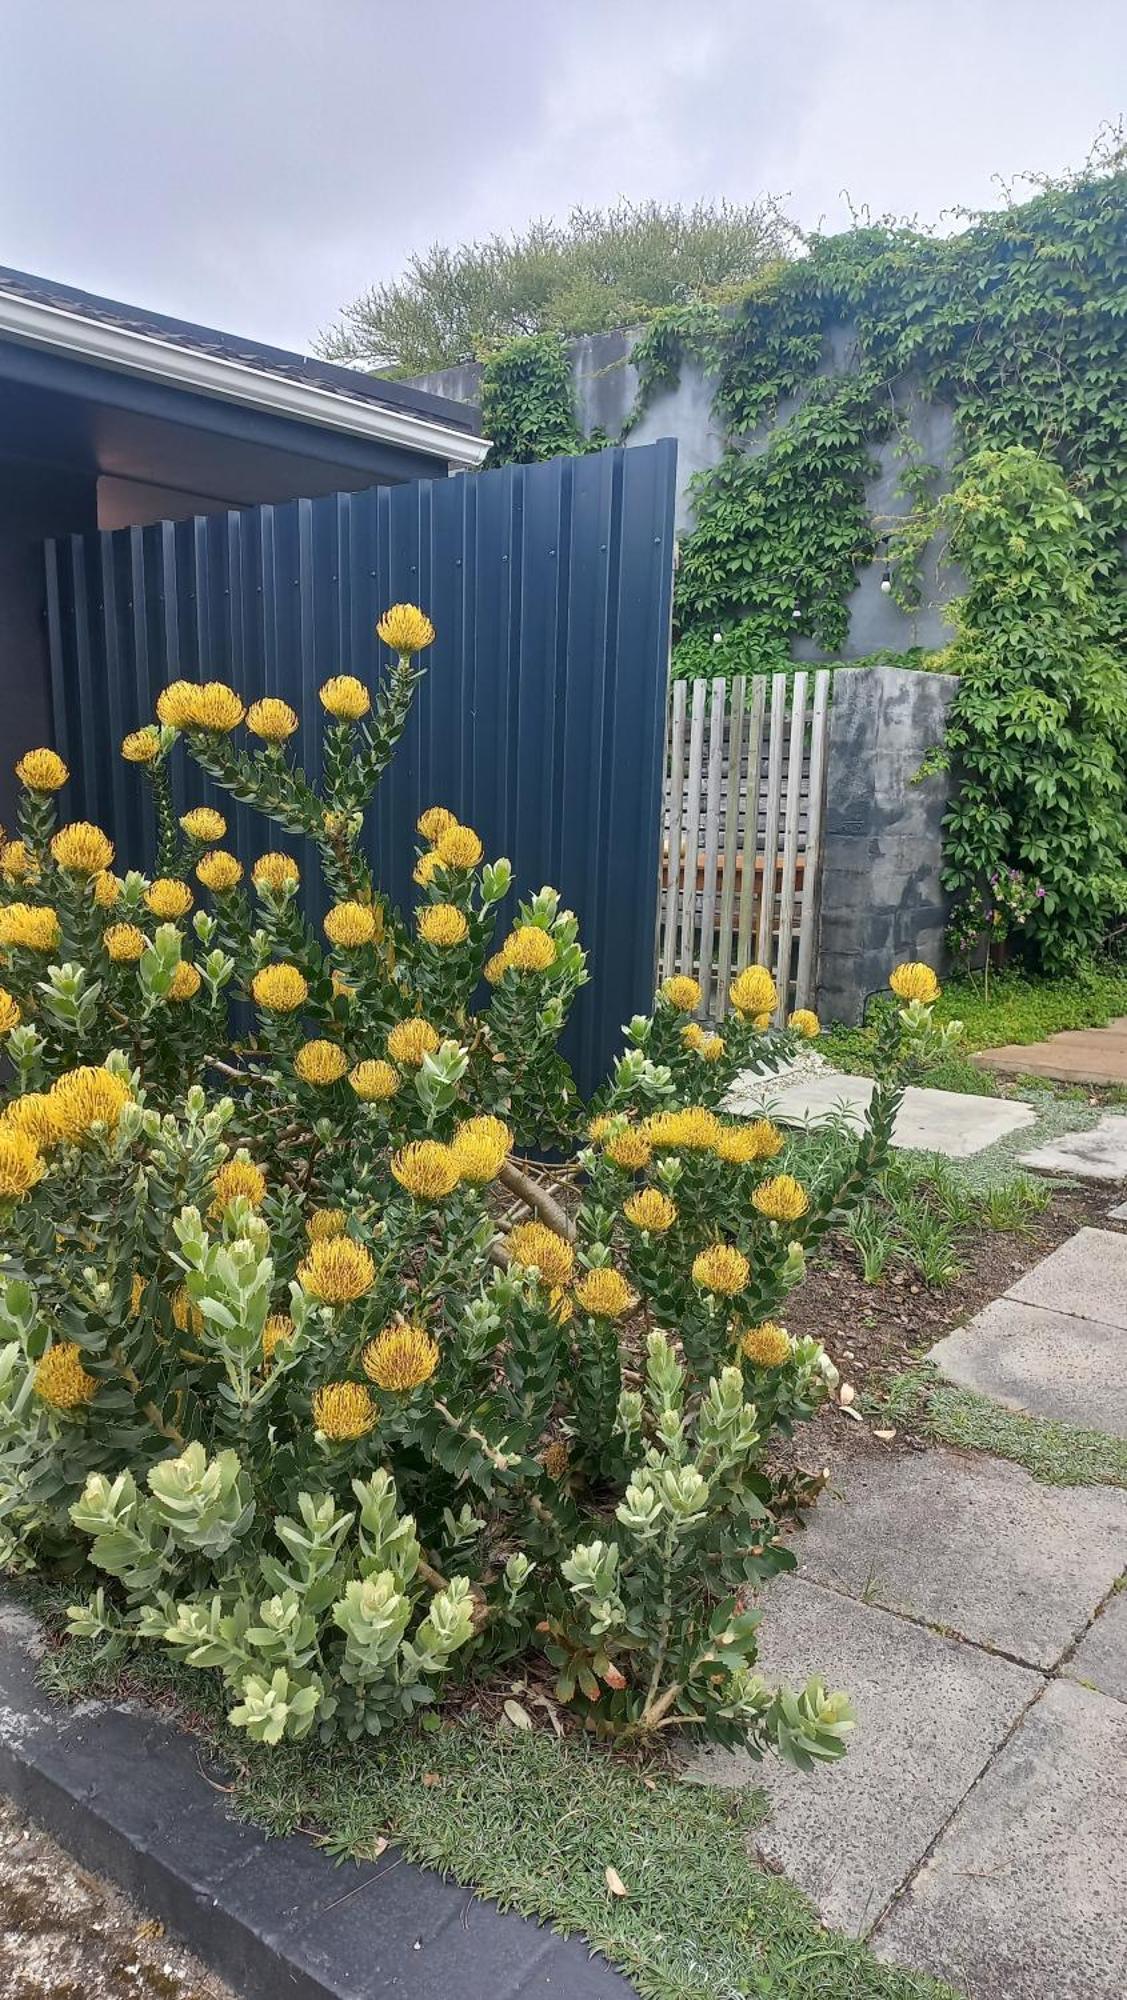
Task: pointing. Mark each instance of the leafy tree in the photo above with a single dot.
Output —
(602, 268)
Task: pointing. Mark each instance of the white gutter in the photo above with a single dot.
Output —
(131, 353)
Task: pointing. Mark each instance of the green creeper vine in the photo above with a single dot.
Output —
(1019, 324)
(527, 403)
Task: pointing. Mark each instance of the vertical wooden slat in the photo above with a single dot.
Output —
(685, 954)
(717, 720)
(790, 844)
(812, 860)
(771, 826)
(676, 815)
(751, 819)
(736, 791)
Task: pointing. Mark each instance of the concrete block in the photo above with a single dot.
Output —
(1049, 1364)
(930, 1712)
(974, 1546)
(1025, 1893)
(929, 1121)
(1097, 1154)
(1100, 1660)
(1086, 1277)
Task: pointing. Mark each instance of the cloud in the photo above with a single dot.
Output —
(256, 166)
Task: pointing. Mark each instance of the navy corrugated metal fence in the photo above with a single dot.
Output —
(542, 716)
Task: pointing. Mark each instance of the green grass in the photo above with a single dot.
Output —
(1026, 1010)
(535, 1823)
(1056, 1454)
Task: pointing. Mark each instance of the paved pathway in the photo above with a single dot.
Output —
(1077, 1055)
(978, 1828)
(929, 1121)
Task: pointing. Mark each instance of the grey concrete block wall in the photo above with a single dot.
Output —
(881, 900)
(605, 386)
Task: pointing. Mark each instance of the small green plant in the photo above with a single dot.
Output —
(874, 1239)
(1013, 1205)
(929, 1242)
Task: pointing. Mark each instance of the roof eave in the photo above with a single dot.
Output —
(132, 353)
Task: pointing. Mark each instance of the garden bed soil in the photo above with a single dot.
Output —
(873, 1332)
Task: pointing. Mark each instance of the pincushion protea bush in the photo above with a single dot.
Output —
(333, 1396)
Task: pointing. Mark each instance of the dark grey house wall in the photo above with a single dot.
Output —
(35, 501)
(881, 900)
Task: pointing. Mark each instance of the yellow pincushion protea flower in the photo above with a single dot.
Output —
(740, 1144)
(721, 1268)
(681, 992)
(650, 1210)
(238, 1177)
(18, 863)
(185, 1316)
(42, 771)
(538, 1248)
(168, 899)
(320, 1062)
(411, 1040)
(459, 847)
(337, 1272)
(690, 1130)
(22, 1165)
(186, 982)
(480, 1148)
(443, 925)
(88, 1096)
(36, 1116)
(344, 1411)
(213, 707)
(345, 698)
(61, 1380)
(124, 943)
(781, 1199)
(9, 1012)
(141, 746)
(708, 1047)
(913, 981)
(425, 869)
(350, 925)
(29, 927)
(427, 1169)
(401, 1358)
(555, 1458)
(435, 821)
(277, 1330)
(495, 968)
(325, 1225)
(753, 991)
(768, 1345)
(275, 872)
(804, 1021)
(176, 704)
(529, 949)
(106, 887)
(82, 849)
(203, 823)
(561, 1305)
(629, 1149)
(604, 1293)
(279, 989)
(374, 1081)
(600, 1128)
(275, 721)
(219, 871)
(405, 629)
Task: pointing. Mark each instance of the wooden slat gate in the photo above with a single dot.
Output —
(745, 779)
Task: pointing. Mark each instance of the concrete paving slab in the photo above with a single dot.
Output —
(1097, 1154)
(1025, 1893)
(974, 1546)
(929, 1121)
(1100, 1660)
(1086, 1277)
(1048, 1364)
(1077, 1055)
(930, 1712)
(1119, 1212)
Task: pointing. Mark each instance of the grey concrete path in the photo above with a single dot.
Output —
(978, 1828)
(1076, 1055)
(929, 1121)
(1098, 1153)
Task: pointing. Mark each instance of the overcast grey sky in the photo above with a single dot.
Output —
(255, 163)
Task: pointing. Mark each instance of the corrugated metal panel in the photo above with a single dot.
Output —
(542, 717)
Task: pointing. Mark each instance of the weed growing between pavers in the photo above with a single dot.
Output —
(535, 1823)
(1057, 1454)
